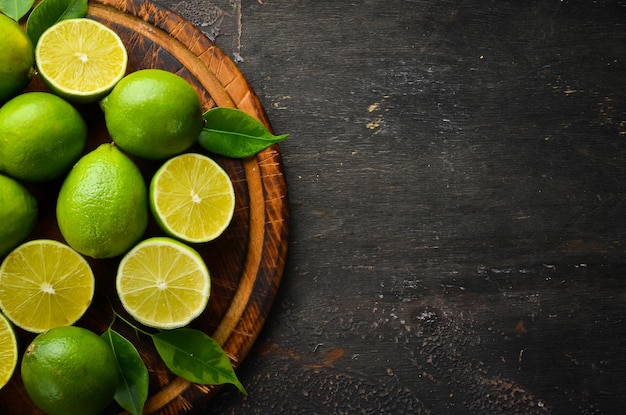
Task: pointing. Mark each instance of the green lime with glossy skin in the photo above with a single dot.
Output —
(102, 207)
(17, 58)
(153, 114)
(70, 370)
(41, 136)
(18, 214)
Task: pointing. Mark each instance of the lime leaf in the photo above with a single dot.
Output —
(196, 357)
(232, 133)
(49, 12)
(132, 391)
(16, 9)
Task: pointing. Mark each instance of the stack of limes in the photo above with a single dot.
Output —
(102, 207)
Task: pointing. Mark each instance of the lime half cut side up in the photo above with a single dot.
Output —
(192, 198)
(8, 351)
(163, 283)
(81, 59)
(45, 284)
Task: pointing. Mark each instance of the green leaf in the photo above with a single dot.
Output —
(16, 9)
(233, 133)
(132, 392)
(49, 12)
(196, 357)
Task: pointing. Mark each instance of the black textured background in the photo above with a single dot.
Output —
(456, 172)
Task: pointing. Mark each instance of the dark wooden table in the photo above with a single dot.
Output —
(457, 185)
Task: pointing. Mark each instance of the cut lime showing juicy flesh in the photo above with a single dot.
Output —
(192, 198)
(8, 351)
(45, 284)
(163, 283)
(81, 59)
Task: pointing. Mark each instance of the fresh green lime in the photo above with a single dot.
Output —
(102, 207)
(41, 136)
(153, 114)
(17, 58)
(18, 214)
(70, 370)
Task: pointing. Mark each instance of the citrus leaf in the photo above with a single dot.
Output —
(132, 391)
(16, 9)
(232, 133)
(196, 357)
(49, 12)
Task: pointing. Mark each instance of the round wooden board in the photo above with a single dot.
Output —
(246, 262)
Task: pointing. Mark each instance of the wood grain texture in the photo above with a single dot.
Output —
(246, 262)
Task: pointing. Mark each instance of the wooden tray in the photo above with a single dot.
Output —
(246, 262)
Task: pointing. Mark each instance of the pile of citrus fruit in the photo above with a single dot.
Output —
(102, 208)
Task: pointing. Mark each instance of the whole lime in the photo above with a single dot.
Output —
(153, 114)
(70, 370)
(18, 214)
(17, 58)
(41, 136)
(102, 207)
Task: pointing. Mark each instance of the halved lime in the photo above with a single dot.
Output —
(45, 284)
(8, 351)
(81, 59)
(163, 283)
(192, 198)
